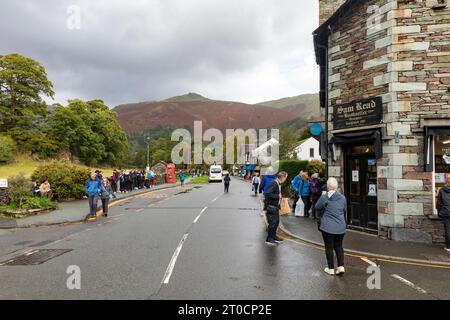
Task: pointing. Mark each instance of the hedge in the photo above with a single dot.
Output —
(66, 179)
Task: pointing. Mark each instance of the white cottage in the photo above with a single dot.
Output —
(308, 150)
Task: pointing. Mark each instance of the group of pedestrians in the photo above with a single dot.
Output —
(308, 190)
(329, 208)
(128, 180)
(98, 187)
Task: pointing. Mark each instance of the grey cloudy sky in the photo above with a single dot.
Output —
(138, 50)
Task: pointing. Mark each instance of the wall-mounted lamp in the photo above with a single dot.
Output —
(397, 136)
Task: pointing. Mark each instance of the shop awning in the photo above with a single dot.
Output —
(358, 137)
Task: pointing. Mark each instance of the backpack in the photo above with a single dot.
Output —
(315, 187)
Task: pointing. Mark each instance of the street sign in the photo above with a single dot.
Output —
(3, 183)
(358, 113)
(316, 129)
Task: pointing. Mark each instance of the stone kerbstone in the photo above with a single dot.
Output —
(411, 235)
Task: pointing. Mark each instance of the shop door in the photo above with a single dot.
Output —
(361, 191)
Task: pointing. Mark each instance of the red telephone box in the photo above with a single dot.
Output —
(170, 173)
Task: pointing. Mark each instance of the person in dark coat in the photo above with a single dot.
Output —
(333, 207)
(443, 207)
(226, 182)
(272, 201)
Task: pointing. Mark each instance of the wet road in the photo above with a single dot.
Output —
(202, 244)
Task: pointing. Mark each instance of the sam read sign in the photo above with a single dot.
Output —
(358, 113)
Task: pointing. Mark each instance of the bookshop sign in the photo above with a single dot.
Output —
(358, 113)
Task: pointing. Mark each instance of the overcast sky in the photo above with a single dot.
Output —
(137, 50)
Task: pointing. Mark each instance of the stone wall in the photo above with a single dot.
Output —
(399, 50)
(327, 8)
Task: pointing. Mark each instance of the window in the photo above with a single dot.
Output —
(311, 152)
(441, 162)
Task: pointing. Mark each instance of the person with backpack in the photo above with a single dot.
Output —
(315, 187)
(182, 178)
(255, 183)
(443, 207)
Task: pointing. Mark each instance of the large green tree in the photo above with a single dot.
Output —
(90, 131)
(23, 83)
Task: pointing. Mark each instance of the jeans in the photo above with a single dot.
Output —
(105, 203)
(333, 242)
(447, 231)
(255, 187)
(273, 221)
(93, 200)
(296, 197)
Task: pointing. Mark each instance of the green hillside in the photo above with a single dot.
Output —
(305, 105)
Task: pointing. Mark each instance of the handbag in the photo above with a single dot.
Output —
(285, 208)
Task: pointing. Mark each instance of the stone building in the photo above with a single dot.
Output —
(385, 87)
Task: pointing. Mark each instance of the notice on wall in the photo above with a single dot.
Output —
(355, 176)
(3, 183)
(372, 190)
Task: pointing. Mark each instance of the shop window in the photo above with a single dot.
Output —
(441, 161)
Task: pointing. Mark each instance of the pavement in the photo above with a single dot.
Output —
(70, 212)
(367, 245)
(305, 229)
(196, 243)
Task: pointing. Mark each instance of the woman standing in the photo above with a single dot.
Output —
(305, 193)
(105, 193)
(332, 207)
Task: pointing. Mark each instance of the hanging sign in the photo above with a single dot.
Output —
(358, 113)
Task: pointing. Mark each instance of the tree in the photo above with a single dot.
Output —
(22, 83)
(90, 131)
(305, 135)
(288, 142)
(7, 148)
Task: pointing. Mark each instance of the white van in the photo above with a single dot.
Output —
(215, 174)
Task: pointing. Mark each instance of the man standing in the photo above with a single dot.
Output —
(92, 189)
(443, 207)
(226, 182)
(272, 204)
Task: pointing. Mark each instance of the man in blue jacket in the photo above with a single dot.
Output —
(92, 189)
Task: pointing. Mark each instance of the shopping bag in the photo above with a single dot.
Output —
(285, 208)
(300, 208)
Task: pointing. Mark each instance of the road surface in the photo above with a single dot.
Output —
(201, 244)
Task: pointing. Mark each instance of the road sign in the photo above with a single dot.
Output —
(316, 129)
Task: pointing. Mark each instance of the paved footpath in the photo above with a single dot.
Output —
(69, 212)
(196, 243)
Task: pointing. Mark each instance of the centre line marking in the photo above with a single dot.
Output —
(198, 217)
(409, 283)
(171, 265)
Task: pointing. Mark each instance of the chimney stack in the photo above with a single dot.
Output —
(327, 8)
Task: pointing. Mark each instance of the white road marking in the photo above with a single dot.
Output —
(215, 199)
(198, 217)
(409, 283)
(369, 262)
(171, 265)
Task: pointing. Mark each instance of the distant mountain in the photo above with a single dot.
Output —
(306, 105)
(187, 97)
(182, 111)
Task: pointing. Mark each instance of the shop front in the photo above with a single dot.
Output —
(357, 135)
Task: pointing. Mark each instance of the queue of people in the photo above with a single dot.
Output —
(309, 191)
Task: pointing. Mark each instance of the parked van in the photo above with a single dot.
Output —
(215, 174)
